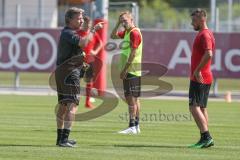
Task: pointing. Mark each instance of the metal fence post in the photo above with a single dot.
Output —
(213, 14)
(215, 83)
(215, 87)
(230, 15)
(40, 13)
(135, 11)
(18, 20)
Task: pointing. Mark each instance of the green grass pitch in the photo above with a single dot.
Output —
(27, 132)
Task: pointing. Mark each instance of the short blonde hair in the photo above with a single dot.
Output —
(129, 14)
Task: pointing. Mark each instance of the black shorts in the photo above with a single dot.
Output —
(132, 85)
(198, 94)
(68, 88)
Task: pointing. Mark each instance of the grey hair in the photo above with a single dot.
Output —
(71, 12)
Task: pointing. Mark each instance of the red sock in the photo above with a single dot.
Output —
(88, 93)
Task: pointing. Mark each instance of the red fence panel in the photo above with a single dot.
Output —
(35, 50)
(32, 50)
(173, 49)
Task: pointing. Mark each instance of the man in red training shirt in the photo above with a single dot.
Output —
(201, 76)
(91, 50)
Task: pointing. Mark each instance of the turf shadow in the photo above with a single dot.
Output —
(25, 145)
(146, 146)
(141, 146)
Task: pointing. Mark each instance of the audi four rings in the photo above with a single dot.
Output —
(32, 50)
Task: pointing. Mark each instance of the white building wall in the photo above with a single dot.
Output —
(33, 13)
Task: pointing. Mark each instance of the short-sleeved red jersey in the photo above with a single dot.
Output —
(90, 46)
(203, 41)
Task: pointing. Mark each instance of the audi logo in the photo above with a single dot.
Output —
(14, 50)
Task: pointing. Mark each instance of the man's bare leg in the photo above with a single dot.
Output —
(199, 118)
(132, 109)
(204, 111)
(69, 117)
(61, 111)
(137, 102)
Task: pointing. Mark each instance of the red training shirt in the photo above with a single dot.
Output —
(203, 41)
(90, 46)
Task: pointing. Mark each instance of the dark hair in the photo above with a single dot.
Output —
(71, 12)
(199, 13)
